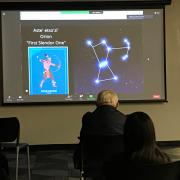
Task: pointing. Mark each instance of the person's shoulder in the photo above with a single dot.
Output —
(87, 116)
(121, 113)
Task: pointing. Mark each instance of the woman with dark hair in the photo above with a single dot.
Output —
(140, 140)
(140, 149)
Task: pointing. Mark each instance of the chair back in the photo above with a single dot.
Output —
(97, 149)
(101, 147)
(9, 129)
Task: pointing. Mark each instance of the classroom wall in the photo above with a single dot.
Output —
(60, 124)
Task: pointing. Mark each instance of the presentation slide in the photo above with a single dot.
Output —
(70, 56)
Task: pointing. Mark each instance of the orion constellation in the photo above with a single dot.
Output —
(104, 64)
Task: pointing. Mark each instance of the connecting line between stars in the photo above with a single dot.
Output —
(105, 63)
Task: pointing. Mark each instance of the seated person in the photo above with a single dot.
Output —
(140, 140)
(140, 147)
(104, 121)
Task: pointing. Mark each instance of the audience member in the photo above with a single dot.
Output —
(105, 119)
(105, 122)
(140, 147)
(140, 140)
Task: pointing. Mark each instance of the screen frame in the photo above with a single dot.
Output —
(80, 6)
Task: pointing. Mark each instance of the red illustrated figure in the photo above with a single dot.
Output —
(47, 63)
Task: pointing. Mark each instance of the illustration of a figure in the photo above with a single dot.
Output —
(47, 63)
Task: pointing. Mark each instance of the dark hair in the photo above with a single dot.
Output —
(140, 139)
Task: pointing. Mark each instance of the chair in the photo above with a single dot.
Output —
(95, 150)
(9, 138)
(141, 171)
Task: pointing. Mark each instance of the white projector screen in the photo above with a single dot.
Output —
(71, 55)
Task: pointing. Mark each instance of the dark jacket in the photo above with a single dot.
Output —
(100, 136)
(104, 120)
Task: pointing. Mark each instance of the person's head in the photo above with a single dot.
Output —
(107, 97)
(139, 133)
(47, 58)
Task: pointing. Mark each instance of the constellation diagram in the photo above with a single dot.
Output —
(104, 64)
